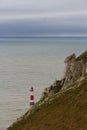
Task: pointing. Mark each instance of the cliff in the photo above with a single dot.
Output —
(63, 105)
(66, 110)
(76, 67)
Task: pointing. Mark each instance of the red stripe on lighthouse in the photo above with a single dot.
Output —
(31, 97)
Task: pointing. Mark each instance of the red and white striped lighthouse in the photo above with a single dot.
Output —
(32, 96)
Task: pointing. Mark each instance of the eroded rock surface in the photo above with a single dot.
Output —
(75, 68)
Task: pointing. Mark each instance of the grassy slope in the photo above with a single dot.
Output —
(82, 56)
(67, 112)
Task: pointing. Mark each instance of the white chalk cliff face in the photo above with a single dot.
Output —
(75, 68)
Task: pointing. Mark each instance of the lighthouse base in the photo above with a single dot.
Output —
(32, 103)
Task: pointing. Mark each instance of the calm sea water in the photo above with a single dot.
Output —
(30, 62)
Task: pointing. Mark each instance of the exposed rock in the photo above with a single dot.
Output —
(54, 88)
(70, 58)
(75, 68)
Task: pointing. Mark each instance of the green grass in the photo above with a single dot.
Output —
(64, 111)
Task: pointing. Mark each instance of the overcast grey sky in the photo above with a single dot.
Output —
(43, 17)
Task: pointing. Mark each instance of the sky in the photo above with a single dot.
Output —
(43, 17)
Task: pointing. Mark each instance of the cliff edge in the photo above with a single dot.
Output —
(63, 105)
(76, 67)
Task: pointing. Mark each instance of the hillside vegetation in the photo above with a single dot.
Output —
(66, 110)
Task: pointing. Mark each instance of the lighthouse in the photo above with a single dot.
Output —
(32, 96)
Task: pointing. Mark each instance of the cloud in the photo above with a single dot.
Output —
(48, 16)
(40, 5)
(44, 27)
(15, 8)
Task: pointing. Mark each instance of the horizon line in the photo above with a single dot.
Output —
(44, 36)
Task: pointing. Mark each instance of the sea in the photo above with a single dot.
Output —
(31, 62)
